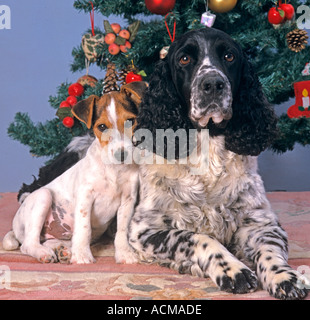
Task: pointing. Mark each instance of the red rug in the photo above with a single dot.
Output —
(22, 277)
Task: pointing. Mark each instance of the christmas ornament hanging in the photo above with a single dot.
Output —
(88, 80)
(221, 6)
(301, 108)
(110, 80)
(91, 43)
(91, 46)
(297, 40)
(161, 7)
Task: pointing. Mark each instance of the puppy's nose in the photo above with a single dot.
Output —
(120, 154)
(213, 84)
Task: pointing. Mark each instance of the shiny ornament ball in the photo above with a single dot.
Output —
(68, 122)
(75, 89)
(161, 7)
(221, 6)
(88, 80)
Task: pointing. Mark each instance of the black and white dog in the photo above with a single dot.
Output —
(220, 223)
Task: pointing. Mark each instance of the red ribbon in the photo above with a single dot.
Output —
(174, 26)
(92, 19)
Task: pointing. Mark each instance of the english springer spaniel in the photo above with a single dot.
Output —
(220, 223)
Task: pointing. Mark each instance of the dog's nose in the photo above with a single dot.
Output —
(213, 84)
(121, 154)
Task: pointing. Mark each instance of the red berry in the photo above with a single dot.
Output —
(131, 77)
(68, 122)
(276, 15)
(64, 104)
(75, 89)
(72, 100)
(288, 9)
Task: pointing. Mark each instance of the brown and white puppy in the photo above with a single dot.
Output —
(59, 221)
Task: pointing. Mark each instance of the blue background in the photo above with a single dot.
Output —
(35, 57)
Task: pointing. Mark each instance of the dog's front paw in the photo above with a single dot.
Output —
(289, 285)
(242, 281)
(82, 257)
(127, 257)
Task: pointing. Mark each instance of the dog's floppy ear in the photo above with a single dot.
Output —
(84, 110)
(135, 91)
(161, 108)
(253, 125)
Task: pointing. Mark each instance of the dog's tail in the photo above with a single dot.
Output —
(10, 242)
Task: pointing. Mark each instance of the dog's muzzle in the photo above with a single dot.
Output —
(211, 98)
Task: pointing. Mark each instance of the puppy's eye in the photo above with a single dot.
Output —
(102, 127)
(229, 57)
(185, 60)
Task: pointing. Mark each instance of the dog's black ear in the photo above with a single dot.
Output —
(161, 107)
(253, 125)
(84, 109)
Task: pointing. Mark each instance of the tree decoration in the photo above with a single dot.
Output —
(161, 7)
(301, 108)
(119, 40)
(110, 80)
(297, 40)
(221, 6)
(91, 42)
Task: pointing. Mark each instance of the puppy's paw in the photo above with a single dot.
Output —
(289, 285)
(82, 257)
(41, 253)
(63, 254)
(241, 281)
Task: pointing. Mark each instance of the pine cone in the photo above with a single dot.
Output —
(110, 80)
(124, 72)
(297, 39)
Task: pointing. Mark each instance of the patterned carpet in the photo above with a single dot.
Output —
(22, 277)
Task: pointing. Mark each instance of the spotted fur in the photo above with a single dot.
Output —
(218, 224)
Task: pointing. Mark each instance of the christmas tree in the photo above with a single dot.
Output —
(271, 49)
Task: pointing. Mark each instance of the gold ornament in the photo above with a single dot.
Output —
(221, 6)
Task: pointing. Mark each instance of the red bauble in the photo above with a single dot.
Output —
(68, 122)
(288, 9)
(72, 100)
(276, 15)
(75, 89)
(160, 6)
(64, 104)
(131, 77)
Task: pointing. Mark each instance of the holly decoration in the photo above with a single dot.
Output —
(75, 91)
(161, 7)
(118, 39)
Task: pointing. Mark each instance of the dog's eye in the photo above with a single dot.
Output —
(185, 60)
(229, 57)
(102, 127)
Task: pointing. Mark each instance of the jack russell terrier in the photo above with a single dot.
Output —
(59, 221)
